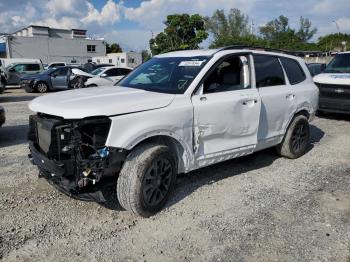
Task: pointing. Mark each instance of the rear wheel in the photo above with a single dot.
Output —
(146, 179)
(42, 87)
(296, 139)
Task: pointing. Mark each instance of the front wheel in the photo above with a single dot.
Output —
(42, 87)
(296, 139)
(146, 179)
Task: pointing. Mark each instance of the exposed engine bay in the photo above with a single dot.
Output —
(72, 153)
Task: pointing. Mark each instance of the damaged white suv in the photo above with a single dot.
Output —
(178, 112)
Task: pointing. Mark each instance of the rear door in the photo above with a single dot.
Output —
(277, 98)
(226, 112)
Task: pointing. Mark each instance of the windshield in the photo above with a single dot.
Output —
(339, 64)
(97, 71)
(165, 75)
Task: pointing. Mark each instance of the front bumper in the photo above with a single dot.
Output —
(54, 173)
(2, 116)
(334, 105)
(27, 85)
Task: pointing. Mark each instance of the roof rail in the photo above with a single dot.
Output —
(232, 47)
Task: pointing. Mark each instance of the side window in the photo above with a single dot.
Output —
(293, 70)
(268, 71)
(62, 71)
(19, 68)
(229, 75)
(123, 71)
(112, 72)
(32, 67)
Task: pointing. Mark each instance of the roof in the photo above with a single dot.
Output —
(233, 49)
(189, 53)
(40, 26)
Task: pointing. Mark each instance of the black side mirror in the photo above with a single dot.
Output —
(12, 70)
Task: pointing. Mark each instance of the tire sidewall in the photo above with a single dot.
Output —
(297, 121)
(163, 152)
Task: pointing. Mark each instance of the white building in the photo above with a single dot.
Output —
(129, 59)
(52, 45)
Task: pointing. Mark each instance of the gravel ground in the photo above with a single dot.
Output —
(256, 208)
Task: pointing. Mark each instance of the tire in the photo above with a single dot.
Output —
(296, 139)
(2, 86)
(139, 183)
(42, 87)
(29, 90)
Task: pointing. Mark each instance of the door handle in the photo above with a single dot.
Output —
(290, 96)
(250, 102)
(203, 98)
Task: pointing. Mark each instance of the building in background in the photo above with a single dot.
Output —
(51, 45)
(128, 59)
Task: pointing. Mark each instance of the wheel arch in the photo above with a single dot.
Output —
(182, 156)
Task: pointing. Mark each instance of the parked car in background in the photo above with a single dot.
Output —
(4, 62)
(55, 64)
(89, 67)
(2, 116)
(316, 68)
(107, 76)
(334, 85)
(14, 72)
(48, 80)
(2, 81)
(177, 112)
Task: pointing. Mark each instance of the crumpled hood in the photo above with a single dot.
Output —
(99, 101)
(333, 78)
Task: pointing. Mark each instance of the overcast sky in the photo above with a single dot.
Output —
(131, 22)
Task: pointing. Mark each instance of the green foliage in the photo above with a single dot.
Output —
(182, 31)
(305, 32)
(145, 55)
(231, 29)
(333, 42)
(113, 48)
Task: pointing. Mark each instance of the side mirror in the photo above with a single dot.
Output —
(103, 75)
(12, 70)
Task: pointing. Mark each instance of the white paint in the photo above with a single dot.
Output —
(220, 127)
(333, 78)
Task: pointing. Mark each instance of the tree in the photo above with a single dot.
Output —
(305, 32)
(275, 28)
(231, 29)
(113, 48)
(182, 31)
(145, 55)
(333, 42)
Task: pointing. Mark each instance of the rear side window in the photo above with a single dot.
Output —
(268, 71)
(32, 67)
(112, 72)
(293, 70)
(123, 71)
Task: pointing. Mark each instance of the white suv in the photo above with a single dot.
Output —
(109, 75)
(178, 112)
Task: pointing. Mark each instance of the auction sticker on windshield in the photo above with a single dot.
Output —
(191, 63)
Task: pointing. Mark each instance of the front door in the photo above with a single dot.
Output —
(59, 78)
(226, 112)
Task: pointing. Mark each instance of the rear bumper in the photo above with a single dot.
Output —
(335, 105)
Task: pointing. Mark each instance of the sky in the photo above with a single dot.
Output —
(131, 23)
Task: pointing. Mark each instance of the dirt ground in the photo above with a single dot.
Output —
(256, 208)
